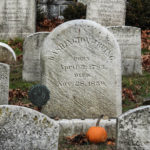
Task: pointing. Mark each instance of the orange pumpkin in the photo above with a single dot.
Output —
(96, 134)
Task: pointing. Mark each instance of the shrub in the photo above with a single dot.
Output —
(76, 11)
(138, 12)
(40, 15)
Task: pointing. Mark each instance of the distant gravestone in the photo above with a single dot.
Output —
(81, 66)
(134, 129)
(31, 56)
(26, 129)
(7, 54)
(129, 39)
(17, 18)
(85, 2)
(4, 83)
(107, 12)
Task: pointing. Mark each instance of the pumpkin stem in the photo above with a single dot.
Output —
(99, 119)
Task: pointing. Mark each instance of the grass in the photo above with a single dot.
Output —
(145, 51)
(140, 86)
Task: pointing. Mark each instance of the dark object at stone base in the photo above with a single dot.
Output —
(39, 95)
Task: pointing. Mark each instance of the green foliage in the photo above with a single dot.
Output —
(76, 11)
(40, 15)
(39, 95)
(138, 13)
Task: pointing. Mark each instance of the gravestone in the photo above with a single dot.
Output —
(7, 54)
(81, 66)
(31, 56)
(4, 83)
(107, 12)
(26, 129)
(17, 18)
(129, 39)
(134, 129)
(55, 8)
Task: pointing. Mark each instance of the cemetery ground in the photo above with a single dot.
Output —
(135, 89)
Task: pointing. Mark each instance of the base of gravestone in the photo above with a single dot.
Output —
(4, 36)
(77, 126)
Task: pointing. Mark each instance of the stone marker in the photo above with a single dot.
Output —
(129, 39)
(26, 129)
(4, 83)
(7, 54)
(31, 56)
(107, 12)
(17, 18)
(134, 129)
(81, 66)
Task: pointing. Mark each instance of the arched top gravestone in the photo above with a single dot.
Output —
(26, 129)
(31, 56)
(7, 54)
(133, 129)
(81, 66)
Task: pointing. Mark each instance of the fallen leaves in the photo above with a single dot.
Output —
(49, 25)
(17, 94)
(127, 93)
(146, 62)
(77, 139)
(145, 39)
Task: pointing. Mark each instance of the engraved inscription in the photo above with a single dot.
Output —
(87, 42)
(107, 12)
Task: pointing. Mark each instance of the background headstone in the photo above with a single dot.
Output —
(81, 66)
(31, 56)
(54, 8)
(129, 39)
(107, 12)
(4, 83)
(26, 129)
(7, 54)
(17, 18)
(134, 129)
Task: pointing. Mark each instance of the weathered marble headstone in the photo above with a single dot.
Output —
(7, 54)
(129, 39)
(134, 129)
(107, 12)
(26, 129)
(17, 18)
(81, 66)
(4, 83)
(31, 56)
